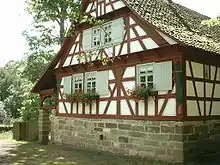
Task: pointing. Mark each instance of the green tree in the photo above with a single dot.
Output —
(59, 12)
(36, 64)
(3, 114)
(212, 22)
(51, 19)
(5, 82)
(11, 88)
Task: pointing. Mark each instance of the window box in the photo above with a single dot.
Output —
(74, 97)
(141, 93)
(89, 97)
(80, 96)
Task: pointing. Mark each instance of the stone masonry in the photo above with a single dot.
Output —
(169, 141)
(201, 139)
(44, 126)
(155, 139)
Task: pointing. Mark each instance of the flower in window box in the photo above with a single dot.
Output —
(74, 97)
(89, 97)
(141, 93)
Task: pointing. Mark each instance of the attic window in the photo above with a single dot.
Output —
(96, 37)
(107, 34)
(104, 35)
(207, 72)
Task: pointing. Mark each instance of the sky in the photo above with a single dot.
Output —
(14, 20)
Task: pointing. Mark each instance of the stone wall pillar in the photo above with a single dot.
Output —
(44, 127)
(52, 126)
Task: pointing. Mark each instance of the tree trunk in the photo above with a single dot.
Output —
(62, 30)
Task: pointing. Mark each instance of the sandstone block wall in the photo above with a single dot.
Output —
(43, 126)
(201, 139)
(156, 139)
(169, 141)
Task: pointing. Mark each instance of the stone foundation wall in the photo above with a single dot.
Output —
(201, 139)
(169, 141)
(155, 139)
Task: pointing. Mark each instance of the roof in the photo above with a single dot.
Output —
(179, 22)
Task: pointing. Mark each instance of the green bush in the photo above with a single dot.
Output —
(5, 128)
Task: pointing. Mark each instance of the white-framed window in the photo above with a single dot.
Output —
(96, 37)
(107, 33)
(67, 87)
(146, 75)
(77, 82)
(90, 82)
(155, 75)
(104, 35)
(97, 81)
(207, 71)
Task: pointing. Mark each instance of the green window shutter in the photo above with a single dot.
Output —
(117, 30)
(163, 76)
(87, 39)
(102, 82)
(67, 85)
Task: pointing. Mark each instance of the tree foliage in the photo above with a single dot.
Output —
(212, 22)
(61, 12)
(11, 88)
(36, 65)
(3, 114)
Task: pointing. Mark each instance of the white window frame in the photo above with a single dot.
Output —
(77, 80)
(96, 37)
(103, 36)
(148, 75)
(93, 84)
(207, 72)
(107, 33)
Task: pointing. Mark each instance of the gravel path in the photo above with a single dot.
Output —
(5, 148)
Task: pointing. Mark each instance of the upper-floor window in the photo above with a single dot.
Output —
(109, 33)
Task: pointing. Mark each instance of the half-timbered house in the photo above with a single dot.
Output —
(157, 44)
